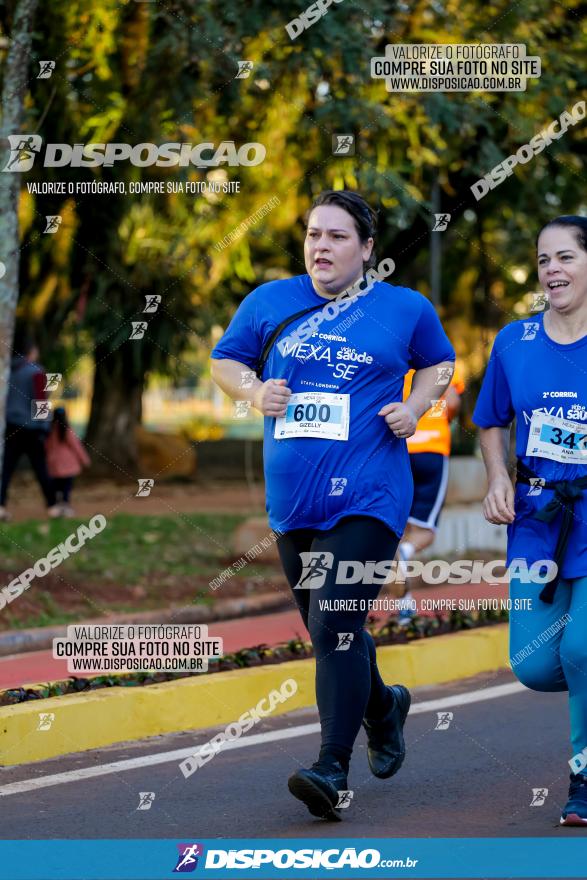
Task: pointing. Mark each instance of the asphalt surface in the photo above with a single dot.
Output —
(474, 779)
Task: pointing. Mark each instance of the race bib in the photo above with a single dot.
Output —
(558, 439)
(315, 414)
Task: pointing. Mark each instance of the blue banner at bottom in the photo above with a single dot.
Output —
(275, 858)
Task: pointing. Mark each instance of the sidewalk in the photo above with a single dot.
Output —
(244, 632)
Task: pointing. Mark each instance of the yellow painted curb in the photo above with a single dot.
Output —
(77, 722)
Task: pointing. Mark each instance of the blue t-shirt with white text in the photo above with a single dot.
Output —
(364, 352)
(528, 373)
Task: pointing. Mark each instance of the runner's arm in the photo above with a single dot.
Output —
(402, 417)
(498, 506)
(426, 387)
(269, 397)
(232, 376)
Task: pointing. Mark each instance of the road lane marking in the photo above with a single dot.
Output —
(464, 699)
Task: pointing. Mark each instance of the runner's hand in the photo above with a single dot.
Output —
(498, 505)
(271, 398)
(400, 419)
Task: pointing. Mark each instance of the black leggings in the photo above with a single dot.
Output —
(348, 684)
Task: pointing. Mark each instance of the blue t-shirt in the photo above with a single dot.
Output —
(363, 352)
(528, 372)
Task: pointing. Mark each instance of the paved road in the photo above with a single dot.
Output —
(473, 779)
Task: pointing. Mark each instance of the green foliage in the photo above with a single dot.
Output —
(154, 72)
(130, 549)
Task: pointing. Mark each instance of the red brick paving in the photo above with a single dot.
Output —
(39, 666)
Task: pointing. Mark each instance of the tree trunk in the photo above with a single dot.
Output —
(13, 91)
(116, 413)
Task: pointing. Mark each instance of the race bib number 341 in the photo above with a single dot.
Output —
(315, 414)
(557, 439)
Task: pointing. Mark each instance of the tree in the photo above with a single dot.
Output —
(14, 87)
(150, 72)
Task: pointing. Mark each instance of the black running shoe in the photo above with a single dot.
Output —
(319, 787)
(386, 748)
(575, 811)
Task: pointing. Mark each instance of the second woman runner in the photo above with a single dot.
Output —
(538, 372)
(337, 474)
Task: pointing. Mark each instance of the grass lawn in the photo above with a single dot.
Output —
(136, 563)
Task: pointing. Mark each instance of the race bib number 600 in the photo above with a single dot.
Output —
(315, 414)
(557, 439)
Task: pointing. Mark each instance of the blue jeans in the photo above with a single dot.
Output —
(548, 646)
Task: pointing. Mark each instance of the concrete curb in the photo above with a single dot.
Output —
(40, 638)
(104, 717)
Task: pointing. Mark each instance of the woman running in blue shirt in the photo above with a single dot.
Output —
(538, 373)
(331, 367)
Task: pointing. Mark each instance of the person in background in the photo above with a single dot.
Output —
(27, 424)
(66, 457)
(429, 451)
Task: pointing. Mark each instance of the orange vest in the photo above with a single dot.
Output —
(433, 430)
